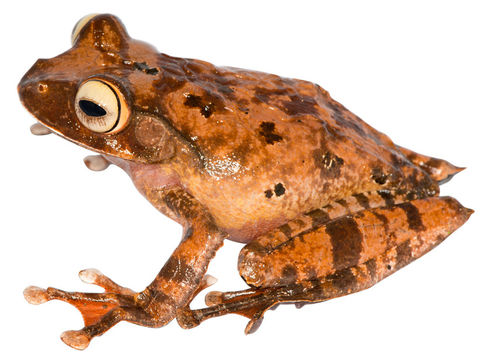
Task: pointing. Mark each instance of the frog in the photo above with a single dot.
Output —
(325, 204)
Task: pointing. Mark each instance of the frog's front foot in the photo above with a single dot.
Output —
(101, 311)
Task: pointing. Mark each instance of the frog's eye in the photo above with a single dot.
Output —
(101, 107)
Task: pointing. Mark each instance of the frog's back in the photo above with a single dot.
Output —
(279, 128)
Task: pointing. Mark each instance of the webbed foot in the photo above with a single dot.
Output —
(100, 311)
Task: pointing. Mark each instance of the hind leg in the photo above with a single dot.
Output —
(339, 257)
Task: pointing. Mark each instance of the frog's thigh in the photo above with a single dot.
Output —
(280, 258)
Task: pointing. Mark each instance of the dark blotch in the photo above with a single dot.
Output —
(175, 269)
(382, 218)
(268, 193)
(404, 254)
(300, 105)
(372, 268)
(145, 68)
(362, 200)
(343, 280)
(329, 163)
(289, 274)
(339, 112)
(264, 94)
(279, 189)
(319, 217)
(286, 230)
(387, 196)
(346, 241)
(244, 110)
(378, 176)
(226, 90)
(206, 109)
(413, 216)
(267, 130)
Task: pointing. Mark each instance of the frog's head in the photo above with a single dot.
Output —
(98, 93)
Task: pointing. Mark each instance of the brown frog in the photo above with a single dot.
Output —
(326, 204)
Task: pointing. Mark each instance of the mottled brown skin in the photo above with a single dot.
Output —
(327, 204)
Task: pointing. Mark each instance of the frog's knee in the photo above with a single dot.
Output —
(251, 266)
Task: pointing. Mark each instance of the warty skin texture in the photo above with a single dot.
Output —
(253, 157)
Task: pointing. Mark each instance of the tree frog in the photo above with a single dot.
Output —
(325, 204)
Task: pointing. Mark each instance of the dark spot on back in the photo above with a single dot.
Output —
(168, 83)
(328, 163)
(268, 193)
(346, 241)
(225, 89)
(206, 109)
(264, 94)
(145, 68)
(279, 189)
(362, 200)
(378, 176)
(397, 160)
(267, 130)
(344, 122)
(413, 216)
(300, 105)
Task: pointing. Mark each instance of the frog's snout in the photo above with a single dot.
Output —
(31, 81)
(31, 87)
(30, 92)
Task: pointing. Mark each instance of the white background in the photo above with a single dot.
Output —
(411, 70)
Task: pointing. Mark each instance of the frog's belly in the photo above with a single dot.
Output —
(246, 210)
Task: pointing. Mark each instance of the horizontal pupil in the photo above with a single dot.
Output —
(91, 109)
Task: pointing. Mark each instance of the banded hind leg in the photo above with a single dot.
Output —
(336, 258)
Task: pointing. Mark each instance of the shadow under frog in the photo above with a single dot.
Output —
(326, 204)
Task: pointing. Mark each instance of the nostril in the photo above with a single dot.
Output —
(42, 88)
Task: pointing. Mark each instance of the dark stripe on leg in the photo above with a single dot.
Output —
(362, 200)
(346, 241)
(413, 216)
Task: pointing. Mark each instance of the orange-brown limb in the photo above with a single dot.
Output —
(253, 303)
(180, 279)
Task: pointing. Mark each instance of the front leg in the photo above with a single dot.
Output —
(180, 279)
